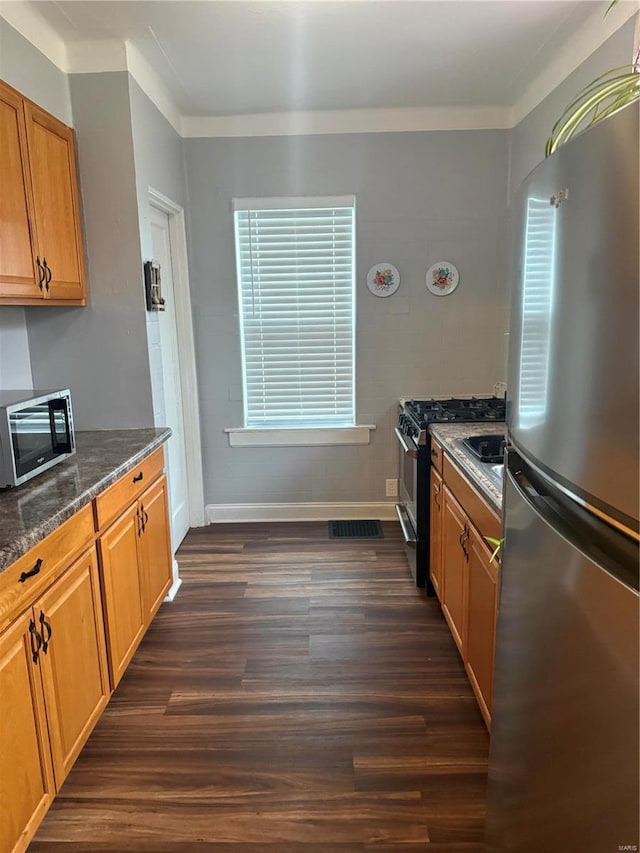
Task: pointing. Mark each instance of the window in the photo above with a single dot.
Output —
(537, 305)
(295, 267)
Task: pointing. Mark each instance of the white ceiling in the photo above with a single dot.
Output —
(237, 57)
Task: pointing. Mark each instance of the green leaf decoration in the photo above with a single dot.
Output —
(603, 97)
(497, 544)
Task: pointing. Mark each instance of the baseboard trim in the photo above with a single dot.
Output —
(177, 583)
(173, 590)
(218, 513)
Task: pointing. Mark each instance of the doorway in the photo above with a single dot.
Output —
(177, 387)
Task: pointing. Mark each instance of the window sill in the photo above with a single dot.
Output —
(299, 436)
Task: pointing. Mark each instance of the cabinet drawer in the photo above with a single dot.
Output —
(436, 455)
(46, 560)
(482, 516)
(128, 488)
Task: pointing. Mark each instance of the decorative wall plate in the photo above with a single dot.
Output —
(383, 279)
(442, 278)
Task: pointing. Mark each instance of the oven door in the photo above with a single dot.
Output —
(407, 510)
(41, 433)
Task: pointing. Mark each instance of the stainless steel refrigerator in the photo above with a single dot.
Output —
(564, 767)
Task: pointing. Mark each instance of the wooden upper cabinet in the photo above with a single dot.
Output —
(18, 274)
(42, 254)
(56, 208)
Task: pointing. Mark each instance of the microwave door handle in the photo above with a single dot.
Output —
(60, 405)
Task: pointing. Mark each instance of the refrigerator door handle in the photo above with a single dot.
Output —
(594, 538)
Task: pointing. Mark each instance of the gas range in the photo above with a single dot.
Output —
(414, 444)
(415, 416)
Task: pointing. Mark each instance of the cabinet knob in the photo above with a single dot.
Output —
(138, 477)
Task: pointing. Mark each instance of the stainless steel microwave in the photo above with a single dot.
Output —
(36, 432)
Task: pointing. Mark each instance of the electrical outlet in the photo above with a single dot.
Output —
(391, 488)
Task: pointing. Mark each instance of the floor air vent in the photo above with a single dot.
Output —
(355, 530)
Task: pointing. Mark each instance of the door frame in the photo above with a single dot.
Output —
(186, 352)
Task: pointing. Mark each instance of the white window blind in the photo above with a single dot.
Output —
(295, 264)
(537, 304)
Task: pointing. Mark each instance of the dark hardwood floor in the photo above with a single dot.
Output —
(298, 695)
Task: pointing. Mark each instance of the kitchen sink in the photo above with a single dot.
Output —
(495, 473)
(486, 448)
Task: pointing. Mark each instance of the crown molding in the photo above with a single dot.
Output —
(23, 18)
(153, 87)
(585, 41)
(96, 57)
(346, 121)
(114, 55)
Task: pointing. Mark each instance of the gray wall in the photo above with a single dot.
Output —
(528, 138)
(26, 69)
(421, 197)
(101, 351)
(159, 163)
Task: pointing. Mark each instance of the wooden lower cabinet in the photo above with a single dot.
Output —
(73, 660)
(53, 687)
(435, 543)
(463, 575)
(155, 548)
(66, 639)
(26, 775)
(135, 556)
(122, 590)
(454, 567)
(481, 622)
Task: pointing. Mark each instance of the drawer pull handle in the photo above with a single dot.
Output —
(35, 636)
(44, 624)
(434, 452)
(34, 571)
(138, 477)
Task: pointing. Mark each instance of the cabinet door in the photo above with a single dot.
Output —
(435, 532)
(454, 567)
(74, 660)
(18, 277)
(122, 590)
(56, 206)
(26, 779)
(155, 551)
(481, 622)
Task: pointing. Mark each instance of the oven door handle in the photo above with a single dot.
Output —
(409, 449)
(409, 540)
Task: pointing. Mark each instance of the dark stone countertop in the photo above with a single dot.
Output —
(451, 436)
(30, 512)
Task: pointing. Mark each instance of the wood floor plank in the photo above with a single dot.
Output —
(300, 694)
